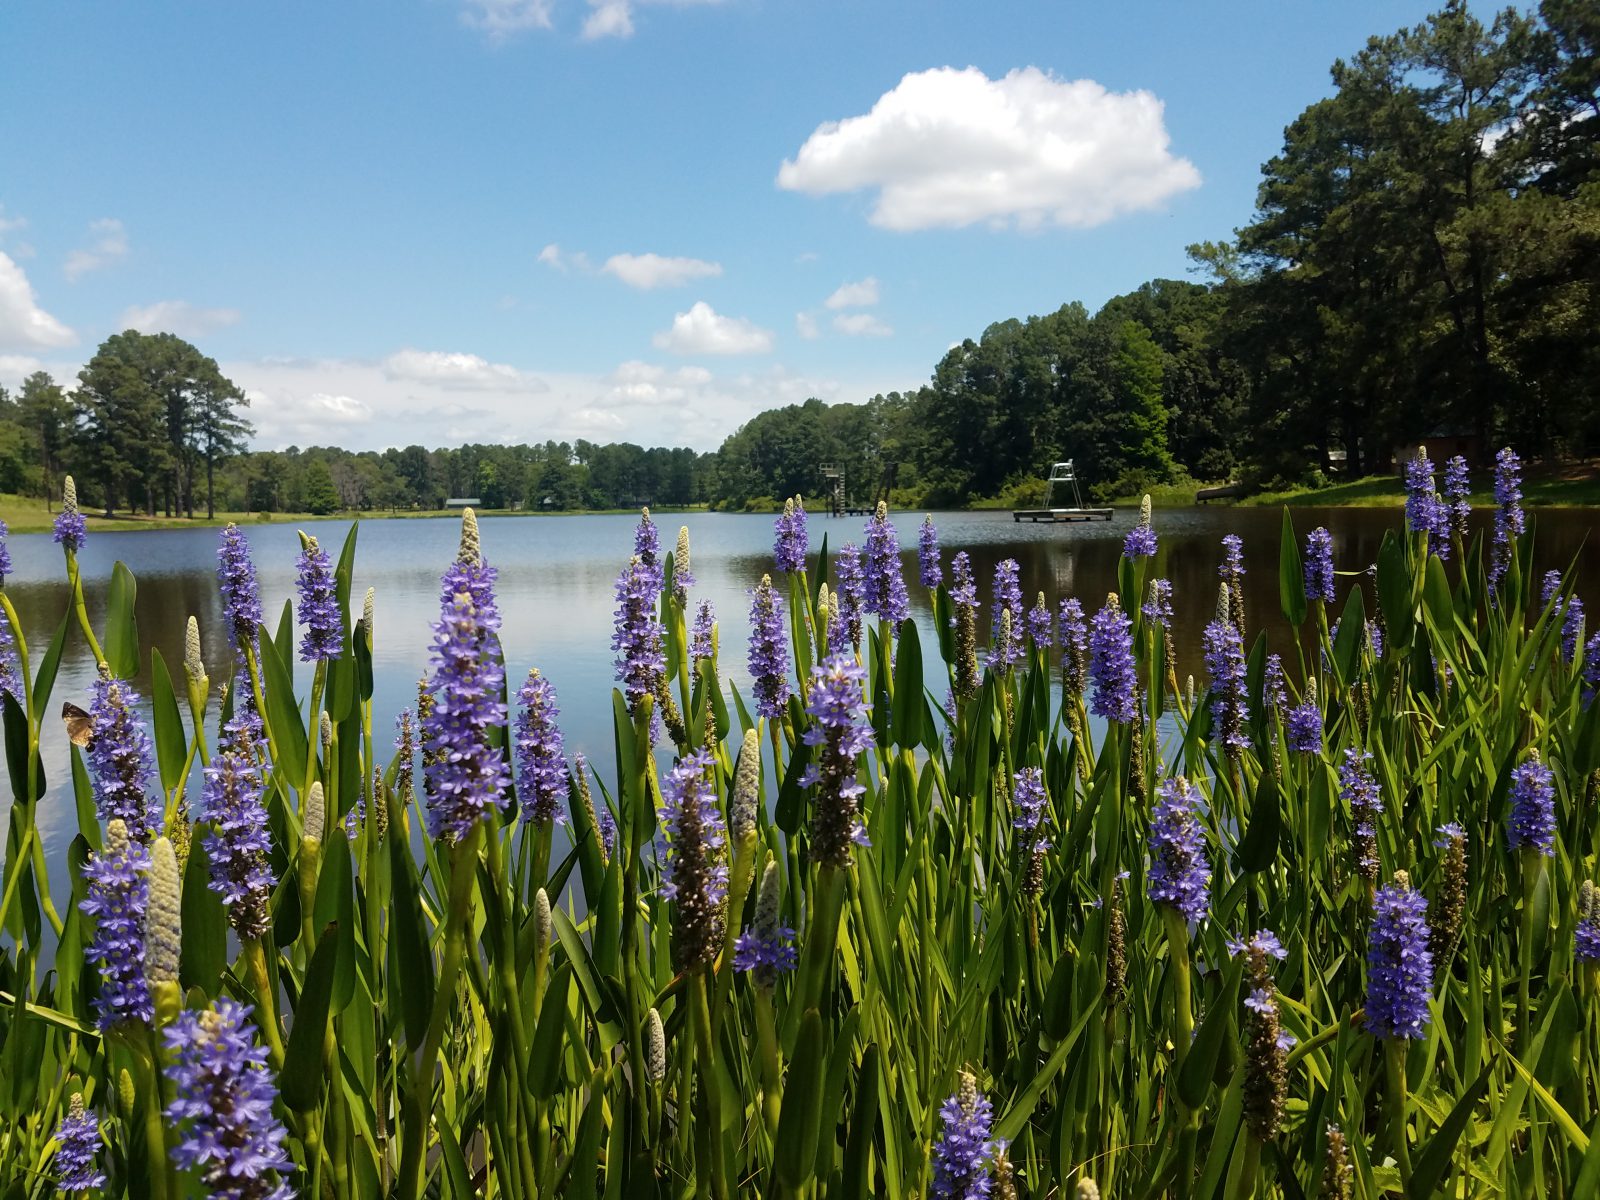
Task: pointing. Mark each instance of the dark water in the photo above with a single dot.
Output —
(557, 574)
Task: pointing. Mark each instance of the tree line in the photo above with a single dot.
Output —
(1424, 257)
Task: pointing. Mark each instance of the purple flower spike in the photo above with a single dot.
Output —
(964, 1153)
(769, 650)
(1180, 876)
(647, 549)
(1141, 539)
(1273, 691)
(241, 595)
(1007, 652)
(1591, 669)
(466, 775)
(1158, 608)
(850, 594)
(1548, 587)
(700, 637)
(1572, 629)
(1533, 807)
(963, 587)
(886, 596)
(928, 568)
(694, 874)
(1303, 725)
(841, 734)
(1457, 489)
(1359, 789)
(1425, 513)
(1224, 655)
(319, 605)
(70, 527)
(1399, 962)
(793, 542)
(767, 949)
(1074, 631)
(542, 777)
(223, 1110)
(1509, 521)
(5, 553)
(1232, 568)
(1587, 935)
(119, 892)
(637, 637)
(1319, 565)
(1113, 677)
(77, 1144)
(1041, 624)
(120, 758)
(239, 843)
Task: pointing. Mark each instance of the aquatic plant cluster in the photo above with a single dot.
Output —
(1318, 921)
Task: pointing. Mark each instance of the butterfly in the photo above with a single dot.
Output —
(80, 725)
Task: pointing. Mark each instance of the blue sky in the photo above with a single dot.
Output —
(446, 220)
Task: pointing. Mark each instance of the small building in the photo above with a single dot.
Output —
(463, 502)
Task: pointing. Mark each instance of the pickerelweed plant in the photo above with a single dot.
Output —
(829, 938)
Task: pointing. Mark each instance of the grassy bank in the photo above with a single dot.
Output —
(1571, 486)
(27, 514)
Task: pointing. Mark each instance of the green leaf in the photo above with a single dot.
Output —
(544, 1067)
(412, 973)
(790, 810)
(172, 745)
(205, 921)
(302, 1058)
(1352, 636)
(909, 709)
(283, 714)
(44, 679)
(1291, 575)
(335, 906)
(1259, 846)
(1428, 1173)
(122, 634)
(800, 1119)
(1201, 1063)
(1395, 592)
(863, 1128)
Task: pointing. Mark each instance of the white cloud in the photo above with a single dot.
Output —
(346, 410)
(648, 271)
(610, 18)
(23, 324)
(947, 148)
(17, 367)
(862, 294)
(109, 244)
(556, 258)
(861, 325)
(702, 330)
(457, 371)
(502, 18)
(179, 317)
(806, 326)
(11, 224)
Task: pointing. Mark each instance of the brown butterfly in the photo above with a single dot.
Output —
(80, 725)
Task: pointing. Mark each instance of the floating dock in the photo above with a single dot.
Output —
(1062, 514)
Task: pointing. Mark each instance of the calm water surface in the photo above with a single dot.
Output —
(557, 574)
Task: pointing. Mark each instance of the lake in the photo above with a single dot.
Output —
(557, 575)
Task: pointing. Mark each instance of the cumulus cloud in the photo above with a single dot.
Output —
(108, 244)
(557, 259)
(861, 325)
(179, 317)
(648, 271)
(610, 18)
(502, 18)
(702, 330)
(23, 324)
(806, 326)
(458, 371)
(862, 294)
(947, 148)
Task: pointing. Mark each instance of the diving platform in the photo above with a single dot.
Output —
(1063, 479)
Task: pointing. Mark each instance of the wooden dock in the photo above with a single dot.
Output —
(1062, 514)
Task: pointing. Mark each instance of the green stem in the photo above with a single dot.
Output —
(710, 1083)
(1394, 1061)
(79, 607)
(255, 957)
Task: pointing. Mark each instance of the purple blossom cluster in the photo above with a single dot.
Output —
(241, 594)
(223, 1109)
(886, 597)
(701, 640)
(1548, 587)
(1572, 629)
(1113, 677)
(766, 949)
(1224, 657)
(1303, 726)
(119, 759)
(1158, 608)
(1399, 962)
(929, 571)
(1028, 796)
(541, 755)
(1359, 789)
(792, 542)
(1425, 512)
(1232, 567)
(77, 1145)
(1509, 521)
(466, 774)
(1457, 489)
(694, 874)
(965, 1150)
(1274, 693)
(1586, 936)
(637, 635)
(239, 841)
(963, 586)
(1140, 541)
(849, 595)
(1319, 565)
(1180, 875)
(647, 549)
(5, 553)
(840, 734)
(1591, 669)
(319, 605)
(1532, 823)
(69, 527)
(769, 650)
(118, 881)
(1006, 650)
(1041, 624)
(1074, 631)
